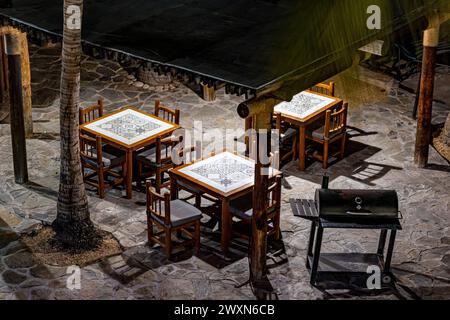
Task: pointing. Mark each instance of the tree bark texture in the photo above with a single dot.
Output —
(73, 227)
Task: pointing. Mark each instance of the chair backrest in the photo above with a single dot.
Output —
(92, 112)
(182, 154)
(166, 113)
(274, 195)
(335, 122)
(157, 204)
(91, 148)
(324, 88)
(165, 148)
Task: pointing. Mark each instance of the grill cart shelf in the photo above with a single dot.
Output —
(350, 265)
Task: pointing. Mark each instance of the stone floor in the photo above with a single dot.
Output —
(379, 156)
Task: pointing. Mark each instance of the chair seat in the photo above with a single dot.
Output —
(109, 160)
(288, 134)
(318, 134)
(148, 157)
(180, 213)
(242, 207)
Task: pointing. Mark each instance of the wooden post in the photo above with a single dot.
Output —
(26, 85)
(258, 268)
(260, 112)
(209, 93)
(12, 49)
(430, 44)
(26, 77)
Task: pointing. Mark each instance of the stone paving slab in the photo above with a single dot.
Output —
(380, 156)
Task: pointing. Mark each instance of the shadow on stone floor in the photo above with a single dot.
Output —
(344, 286)
(353, 132)
(20, 271)
(42, 190)
(438, 167)
(358, 169)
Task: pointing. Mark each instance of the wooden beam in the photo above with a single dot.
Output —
(209, 93)
(430, 44)
(258, 266)
(13, 49)
(256, 106)
(3, 73)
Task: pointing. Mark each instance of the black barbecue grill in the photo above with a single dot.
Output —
(350, 204)
(349, 209)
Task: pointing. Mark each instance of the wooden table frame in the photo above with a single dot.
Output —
(303, 123)
(224, 197)
(129, 148)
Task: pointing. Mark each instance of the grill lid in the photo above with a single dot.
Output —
(357, 203)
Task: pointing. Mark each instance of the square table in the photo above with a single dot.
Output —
(129, 129)
(304, 109)
(225, 176)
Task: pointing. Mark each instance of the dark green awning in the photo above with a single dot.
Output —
(247, 43)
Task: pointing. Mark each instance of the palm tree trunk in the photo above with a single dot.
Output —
(73, 227)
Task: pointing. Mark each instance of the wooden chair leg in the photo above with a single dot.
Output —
(198, 200)
(276, 225)
(149, 231)
(325, 155)
(168, 243)
(344, 139)
(197, 237)
(101, 184)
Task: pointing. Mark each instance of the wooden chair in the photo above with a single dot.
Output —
(101, 165)
(188, 155)
(171, 216)
(324, 88)
(156, 161)
(333, 129)
(92, 112)
(166, 113)
(288, 139)
(242, 210)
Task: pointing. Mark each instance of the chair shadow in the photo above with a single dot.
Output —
(361, 170)
(438, 167)
(353, 132)
(46, 192)
(367, 172)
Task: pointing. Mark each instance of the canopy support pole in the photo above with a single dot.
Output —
(260, 111)
(430, 44)
(13, 49)
(25, 86)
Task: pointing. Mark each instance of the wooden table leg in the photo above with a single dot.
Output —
(129, 174)
(226, 226)
(302, 149)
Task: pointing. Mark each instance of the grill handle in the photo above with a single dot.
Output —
(360, 213)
